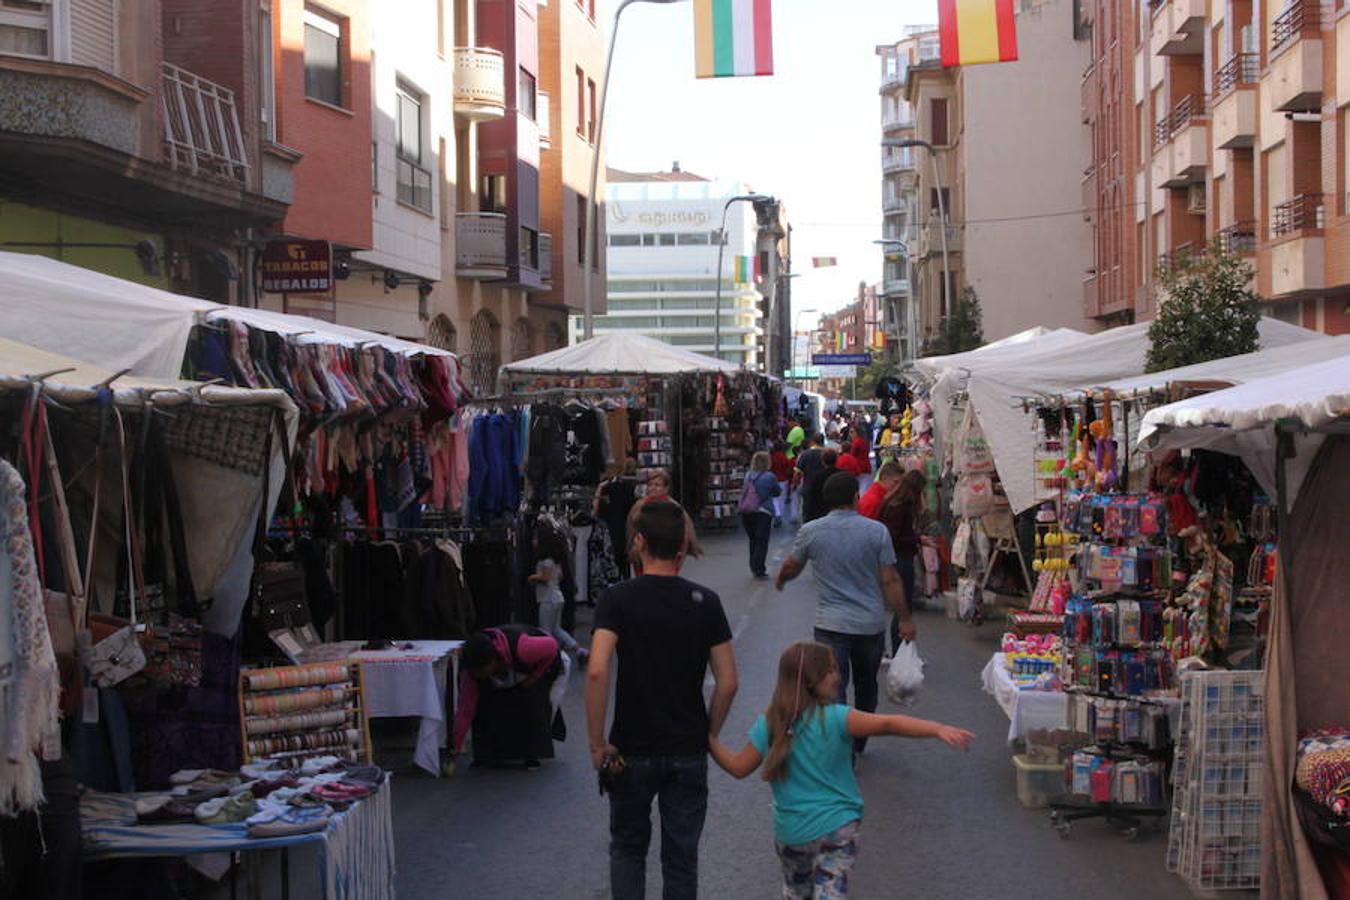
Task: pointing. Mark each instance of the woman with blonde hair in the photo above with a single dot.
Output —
(658, 488)
(757, 510)
(805, 742)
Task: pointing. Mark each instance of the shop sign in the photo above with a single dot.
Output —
(297, 266)
(837, 371)
(841, 359)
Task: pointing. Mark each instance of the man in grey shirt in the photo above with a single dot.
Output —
(853, 561)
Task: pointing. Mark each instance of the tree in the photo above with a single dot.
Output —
(962, 329)
(1207, 310)
(864, 386)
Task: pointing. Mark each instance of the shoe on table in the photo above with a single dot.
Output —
(283, 821)
(224, 810)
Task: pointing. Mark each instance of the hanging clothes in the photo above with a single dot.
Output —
(602, 568)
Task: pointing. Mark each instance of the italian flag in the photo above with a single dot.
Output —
(747, 269)
(977, 31)
(732, 37)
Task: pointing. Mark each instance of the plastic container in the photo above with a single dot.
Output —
(951, 605)
(1038, 783)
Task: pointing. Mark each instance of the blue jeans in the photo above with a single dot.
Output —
(759, 527)
(859, 656)
(680, 783)
(904, 564)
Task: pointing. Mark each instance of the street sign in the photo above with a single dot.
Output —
(841, 359)
(837, 371)
(297, 266)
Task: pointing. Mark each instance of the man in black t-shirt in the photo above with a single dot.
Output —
(666, 632)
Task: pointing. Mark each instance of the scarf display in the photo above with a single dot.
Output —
(30, 685)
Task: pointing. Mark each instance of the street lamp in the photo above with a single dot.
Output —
(774, 303)
(721, 247)
(588, 251)
(795, 322)
(942, 204)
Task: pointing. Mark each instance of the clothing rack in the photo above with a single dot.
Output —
(443, 531)
(527, 396)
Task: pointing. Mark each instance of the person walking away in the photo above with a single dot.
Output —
(809, 463)
(757, 510)
(781, 466)
(901, 512)
(829, 460)
(614, 499)
(861, 451)
(666, 632)
(854, 567)
(802, 740)
(510, 686)
(549, 551)
(795, 437)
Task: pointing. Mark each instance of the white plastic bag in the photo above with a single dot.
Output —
(904, 677)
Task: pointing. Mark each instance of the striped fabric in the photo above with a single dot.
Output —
(747, 270)
(732, 37)
(823, 262)
(977, 31)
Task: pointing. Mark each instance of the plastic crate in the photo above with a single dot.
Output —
(1038, 783)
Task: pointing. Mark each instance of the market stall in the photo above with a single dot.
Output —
(1293, 432)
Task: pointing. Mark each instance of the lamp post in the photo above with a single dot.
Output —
(774, 316)
(721, 246)
(795, 322)
(942, 204)
(588, 285)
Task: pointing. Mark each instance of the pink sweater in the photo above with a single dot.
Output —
(535, 651)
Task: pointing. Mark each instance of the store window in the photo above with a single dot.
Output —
(25, 28)
(324, 70)
(693, 239)
(414, 179)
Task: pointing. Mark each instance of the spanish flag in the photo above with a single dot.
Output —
(977, 31)
(732, 37)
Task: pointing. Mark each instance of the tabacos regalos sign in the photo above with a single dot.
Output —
(292, 266)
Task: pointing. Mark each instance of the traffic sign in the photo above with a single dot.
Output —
(841, 359)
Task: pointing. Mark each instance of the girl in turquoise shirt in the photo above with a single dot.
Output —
(805, 742)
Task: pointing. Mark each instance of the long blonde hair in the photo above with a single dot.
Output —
(801, 669)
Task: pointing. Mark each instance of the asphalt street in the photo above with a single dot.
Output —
(939, 823)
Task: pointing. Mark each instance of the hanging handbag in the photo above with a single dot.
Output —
(277, 591)
(116, 654)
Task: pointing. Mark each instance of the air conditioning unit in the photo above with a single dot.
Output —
(1195, 198)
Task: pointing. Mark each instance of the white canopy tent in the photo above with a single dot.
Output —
(1000, 393)
(619, 353)
(1239, 420)
(219, 501)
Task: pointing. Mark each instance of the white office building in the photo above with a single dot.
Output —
(662, 264)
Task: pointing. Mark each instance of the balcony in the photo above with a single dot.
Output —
(1238, 239)
(480, 246)
(1181, 144)
(1294, 70)
(1176, 258)
(480, 84)
(546, 260)
(1089, 97)
(542, 106)
(1178, 28)
(932, 238)
(1300, 213)
(201, 126)
(901, 160)
(897, 122)
(1090, 201)
(1091, 294)
(895, 286)
(1297, 265)
(1233, 111)
(892, 205)
(893, 80)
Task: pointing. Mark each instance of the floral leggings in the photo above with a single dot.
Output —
(819, 870)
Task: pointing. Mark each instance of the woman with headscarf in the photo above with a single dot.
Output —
(510, 684)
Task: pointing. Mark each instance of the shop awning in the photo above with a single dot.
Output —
(999, 393)
(305, 330)
(216, 436)
(1240, 420)
(1030, 341)
(619, 353)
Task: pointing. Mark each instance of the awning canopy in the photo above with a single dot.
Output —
(1029, 341)
(1240, 420)
(1000, 392)
(619, 353)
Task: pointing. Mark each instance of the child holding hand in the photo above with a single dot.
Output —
(805, 742)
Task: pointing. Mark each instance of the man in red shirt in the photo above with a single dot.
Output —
(888, 477)
(781, 467)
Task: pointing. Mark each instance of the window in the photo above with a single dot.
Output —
(649, 240)
(590, 9)
(267, 85)
(525, 95)
(581, 229)
(693, 238)
(323, 58)
(590, 123)
(25, 28)
(443, 185)
(665, 240)
(414, 180)
(937, 121)
(492, 194)
(581, 102)
(529, 248)
(946, 205)
(625, 240)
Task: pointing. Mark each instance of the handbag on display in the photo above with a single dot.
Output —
(976, 494)
(115, 653)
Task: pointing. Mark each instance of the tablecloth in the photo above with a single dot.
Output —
(411, 683)
(1027, 710)
(356, 852)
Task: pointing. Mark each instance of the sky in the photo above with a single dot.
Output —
(809, 135)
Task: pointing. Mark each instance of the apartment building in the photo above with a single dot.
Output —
(1007, 150)
(663, 231)
(132, 144)
(1220, 121)
(855, 328)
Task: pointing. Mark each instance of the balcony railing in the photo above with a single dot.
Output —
(897, 122)
(1187, 109)
(897, 160)
(1176, 257)
(542, 104)
(1238, 239)
(201, 126)
(1242, 68)
(1296, 214)
(1289, 26)
(480, 245)
(546, 259)
(480, 83)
